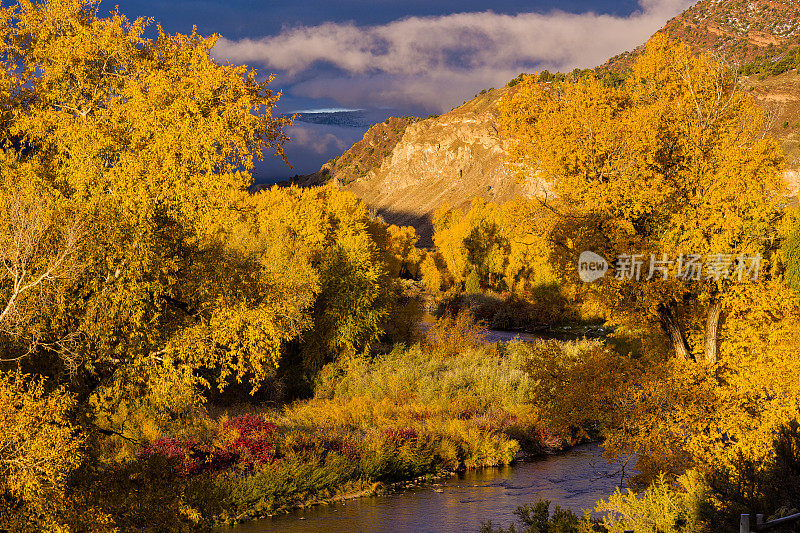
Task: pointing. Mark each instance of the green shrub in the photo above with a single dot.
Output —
(536, 518)
(473, 282)
(279, 486)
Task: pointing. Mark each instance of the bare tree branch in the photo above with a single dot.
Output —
(35, 254)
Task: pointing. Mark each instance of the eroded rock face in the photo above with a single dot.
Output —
(448, 159)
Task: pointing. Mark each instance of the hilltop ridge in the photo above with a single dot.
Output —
(740, 32)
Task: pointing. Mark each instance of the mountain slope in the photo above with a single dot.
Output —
(741, 32)
(426, 163)
(365, 155)
(779, 96)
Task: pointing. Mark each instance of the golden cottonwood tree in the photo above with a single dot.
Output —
(39, 241)
(670, 162)
(39, 447)
(148, 143)
(674, 414)
(404, 256)
(124, 164)
(137, 271)
(496, 242)
(335, 254)
(472, 241)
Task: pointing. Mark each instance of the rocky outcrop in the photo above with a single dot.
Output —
(365, 156)
(446, 159)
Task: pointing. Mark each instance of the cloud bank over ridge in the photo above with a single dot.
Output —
(432, 63)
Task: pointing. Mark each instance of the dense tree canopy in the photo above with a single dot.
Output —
(670, 162)
(140, 280)
(495, 242)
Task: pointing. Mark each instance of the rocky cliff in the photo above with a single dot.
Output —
(445, 159)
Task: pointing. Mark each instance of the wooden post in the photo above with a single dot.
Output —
(744, 524)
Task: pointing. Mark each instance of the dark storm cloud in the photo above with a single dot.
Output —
(247, 18)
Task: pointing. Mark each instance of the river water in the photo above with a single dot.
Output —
(575, 479)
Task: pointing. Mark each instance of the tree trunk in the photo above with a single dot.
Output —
(673, 331)
(712, 323)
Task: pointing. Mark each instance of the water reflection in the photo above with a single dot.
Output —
(576, 479)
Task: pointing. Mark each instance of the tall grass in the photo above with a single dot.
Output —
(481, 375)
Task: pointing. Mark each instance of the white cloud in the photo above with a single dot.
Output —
(436, 62)
(315, 140)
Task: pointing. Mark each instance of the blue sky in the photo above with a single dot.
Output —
(237, 18)
(391, 58)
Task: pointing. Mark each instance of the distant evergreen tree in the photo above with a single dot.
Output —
(473, 282)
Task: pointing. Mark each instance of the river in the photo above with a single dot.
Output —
(575, 479)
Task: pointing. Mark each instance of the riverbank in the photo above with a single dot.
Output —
(424, 481)
(414, 414)
(574, 479)
(376, 489)
(391, 419)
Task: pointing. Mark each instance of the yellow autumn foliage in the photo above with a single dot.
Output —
(138, 272)
(670, 162)
(495, 241)
(39, 447)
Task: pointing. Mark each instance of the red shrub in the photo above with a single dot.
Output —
(400, 436)
(350, 449)
(255, 442)
(467, 412)
(250, 426)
